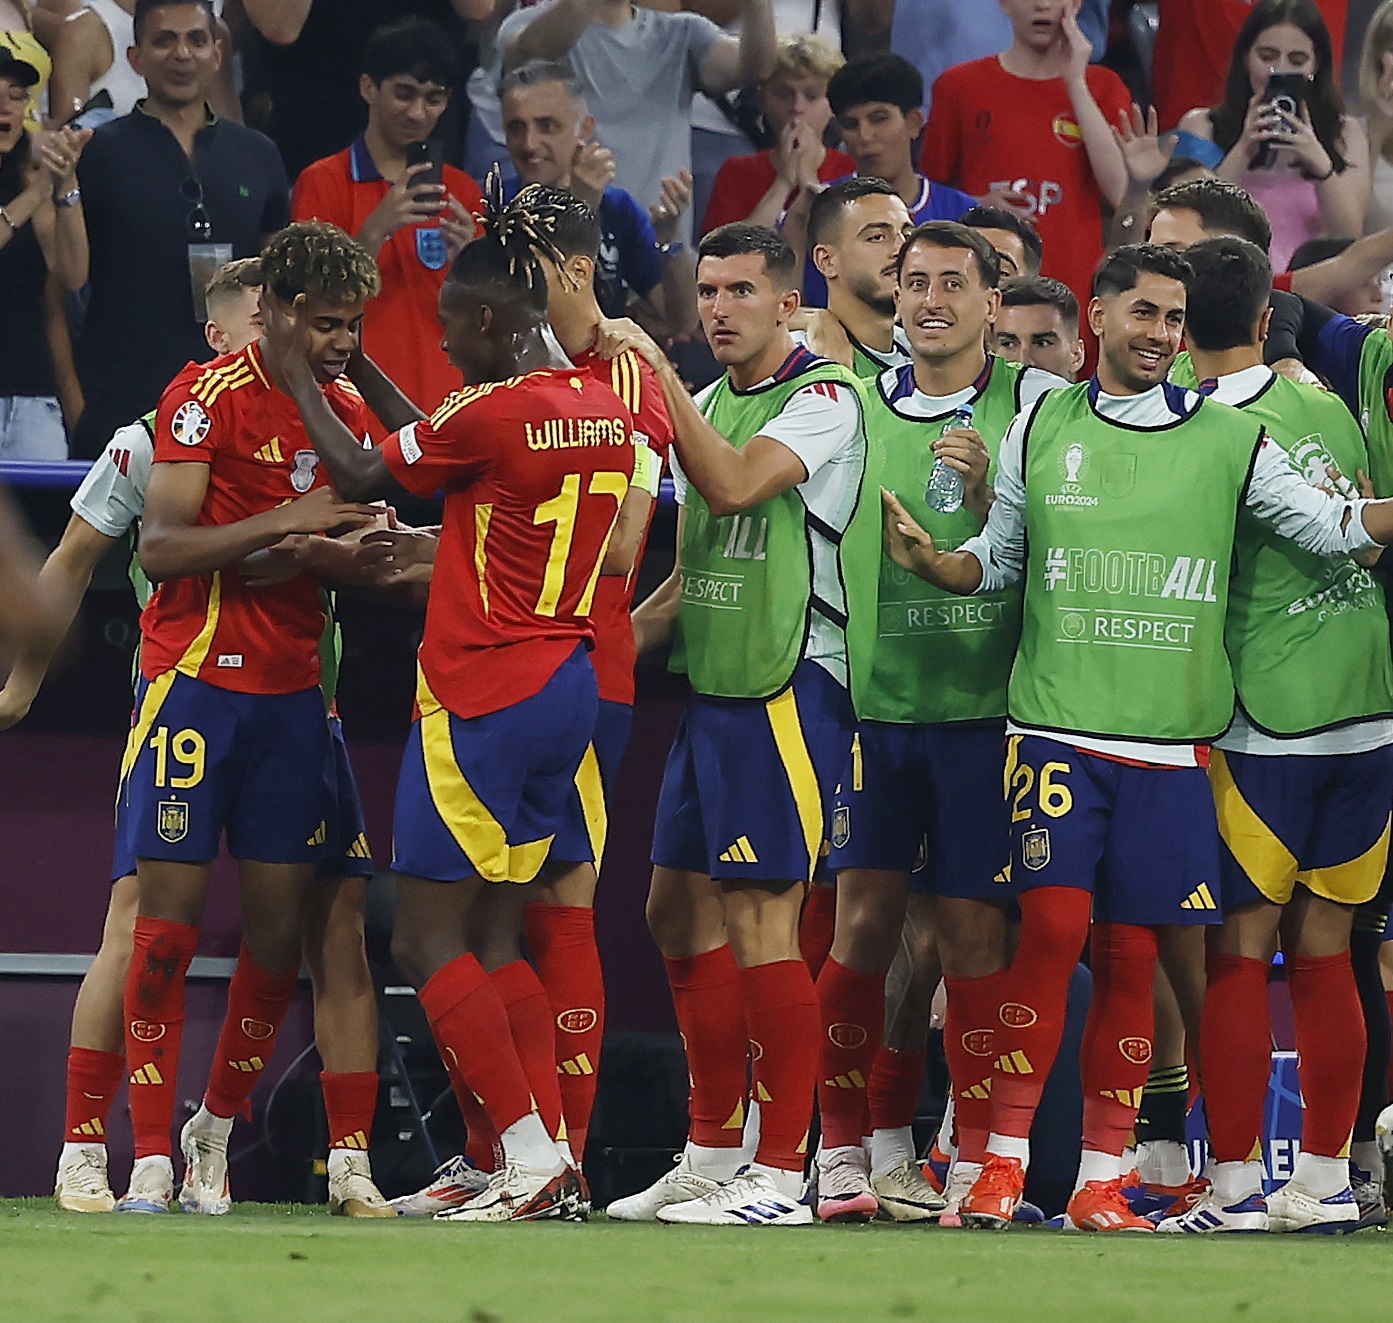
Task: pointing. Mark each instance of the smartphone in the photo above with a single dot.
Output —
(1287, 92)
(424, 153)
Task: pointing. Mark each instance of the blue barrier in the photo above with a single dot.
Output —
(67, 475)
(61, 474)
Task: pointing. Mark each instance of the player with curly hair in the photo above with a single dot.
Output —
(229, 734)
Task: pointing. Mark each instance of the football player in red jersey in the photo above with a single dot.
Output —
(106, 510)
(535, 461)
(560, 920)
(229, 733)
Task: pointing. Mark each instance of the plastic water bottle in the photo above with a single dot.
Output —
(945, 490)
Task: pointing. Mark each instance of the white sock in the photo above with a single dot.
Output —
(788, 1183)
(340, 1157)
(1235, 1181)
(853, 1153)
(71, 1152)
(527, 1141)
(1095, 1166)
(1008, 1146)
(205, 1121)
(944, 1140)
(1365, 1155)
(749, 1139)
(891, 1148)
(716, 1164)
(1321, 1177)
(1161, 1162)
(563, 1148)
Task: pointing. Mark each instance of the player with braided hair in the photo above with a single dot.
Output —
(535, 459)
(560, 917)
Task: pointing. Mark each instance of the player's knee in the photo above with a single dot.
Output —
(866, 939)
(671, 921)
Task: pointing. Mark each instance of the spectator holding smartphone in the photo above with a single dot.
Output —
(1288, 143)
(413, 217)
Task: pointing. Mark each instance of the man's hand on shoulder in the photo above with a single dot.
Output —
(614, 335)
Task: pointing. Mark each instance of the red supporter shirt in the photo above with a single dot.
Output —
(534, 470)
(227, 414)
(615, 655)
(743, 180)
(1195, 44)
(401, 332)
(987, 128)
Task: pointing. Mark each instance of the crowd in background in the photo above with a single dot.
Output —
(668, 120)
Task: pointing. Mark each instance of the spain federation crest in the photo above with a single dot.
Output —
(172, 820)
(841, 825)
(1035, 848)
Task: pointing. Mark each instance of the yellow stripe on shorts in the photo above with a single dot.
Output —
(1355, 882)
(787, 729)
(591, 789)
(476, 831)
(1269, 865)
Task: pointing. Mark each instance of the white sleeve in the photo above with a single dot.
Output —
(679, 479)
(816, 423)
(112, 495)
(1317, 522)
(1035, 382)
(1000, 546)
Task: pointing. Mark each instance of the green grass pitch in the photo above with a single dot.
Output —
(272, 1264)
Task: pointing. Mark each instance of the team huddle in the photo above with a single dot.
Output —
(986, 667)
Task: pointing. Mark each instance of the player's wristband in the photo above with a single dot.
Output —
(648, 468)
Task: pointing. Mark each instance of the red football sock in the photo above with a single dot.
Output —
(816, 926)
(1034, 997)
(782, 1016)
(257, 1001)
(1116, 1054)
(1236, 1048)
(481, 1146)
(154, 1010)
(350, 1103)
(534, 1037)
(561, 939)
(1330, 1044)
(711, 1017)
(969, 1043)
(897, 1080)
(93, 1078)
(853, 1015)
(470, 1023)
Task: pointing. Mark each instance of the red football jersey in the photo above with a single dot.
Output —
(400, 330)
(227, 414)
(743, 180)
(637, 386)
(534, 470)
(987, 128)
